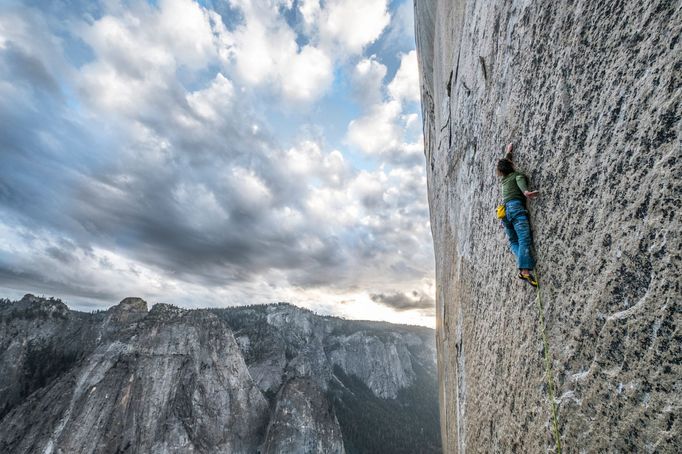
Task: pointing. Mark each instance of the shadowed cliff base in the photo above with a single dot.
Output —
(591, 95)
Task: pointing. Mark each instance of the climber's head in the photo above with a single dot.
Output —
(504, 167)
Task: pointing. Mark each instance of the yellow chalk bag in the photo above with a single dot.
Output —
(501, 212)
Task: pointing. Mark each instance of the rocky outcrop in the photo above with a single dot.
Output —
(353, 366)
(39, 340)
(169, 380)
(303, 421)
(390, 370)
(591, 94)
(173, 381)
(281, 342)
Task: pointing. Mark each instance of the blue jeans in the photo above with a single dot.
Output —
(518, 231)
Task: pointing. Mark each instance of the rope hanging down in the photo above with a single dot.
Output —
(548, 370)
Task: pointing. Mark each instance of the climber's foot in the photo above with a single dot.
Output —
(528, 277)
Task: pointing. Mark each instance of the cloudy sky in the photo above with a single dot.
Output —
(214, 153)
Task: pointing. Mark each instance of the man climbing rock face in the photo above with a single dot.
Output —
(514, 216)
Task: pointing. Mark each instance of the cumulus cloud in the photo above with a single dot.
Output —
(405, 84)
(367, 81)
(176, 33)
(144, 47)
(137, 56)
(148, 167)
(310, 10)
(210, 102)
(307, 75)
(378, 131)
(400, 32)
(307, 161)
(352, 24)
(265, 51)
(387, 127)
(383, 132)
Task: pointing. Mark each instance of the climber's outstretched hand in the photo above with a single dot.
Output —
(531, 194)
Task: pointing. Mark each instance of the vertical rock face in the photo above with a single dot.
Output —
(389, 372)
(591, 94)
(282, 342)
(340, 385)
(304, 421)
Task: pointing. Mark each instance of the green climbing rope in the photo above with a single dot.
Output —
(548, 371)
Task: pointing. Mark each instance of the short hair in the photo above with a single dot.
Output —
(505, 166)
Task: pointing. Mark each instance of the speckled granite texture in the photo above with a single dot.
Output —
(591, 94)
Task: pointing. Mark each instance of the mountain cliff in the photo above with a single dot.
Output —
(269, 379)
(591, 95)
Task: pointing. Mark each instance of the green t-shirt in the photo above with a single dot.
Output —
(513, 186)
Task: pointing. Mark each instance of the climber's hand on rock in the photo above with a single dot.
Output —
(509, 149)
(531, 194)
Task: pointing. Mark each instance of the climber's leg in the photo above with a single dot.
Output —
(511, 236)
(517, 220)
(524, 257)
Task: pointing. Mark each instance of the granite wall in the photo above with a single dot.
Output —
(591, 94)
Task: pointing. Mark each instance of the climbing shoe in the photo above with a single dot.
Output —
(528, 278)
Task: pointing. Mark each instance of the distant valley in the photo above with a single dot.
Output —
(256, 379)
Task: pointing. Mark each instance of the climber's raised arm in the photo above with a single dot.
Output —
(521, 180)
(508, 152)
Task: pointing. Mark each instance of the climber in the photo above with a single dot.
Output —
(514, 216)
